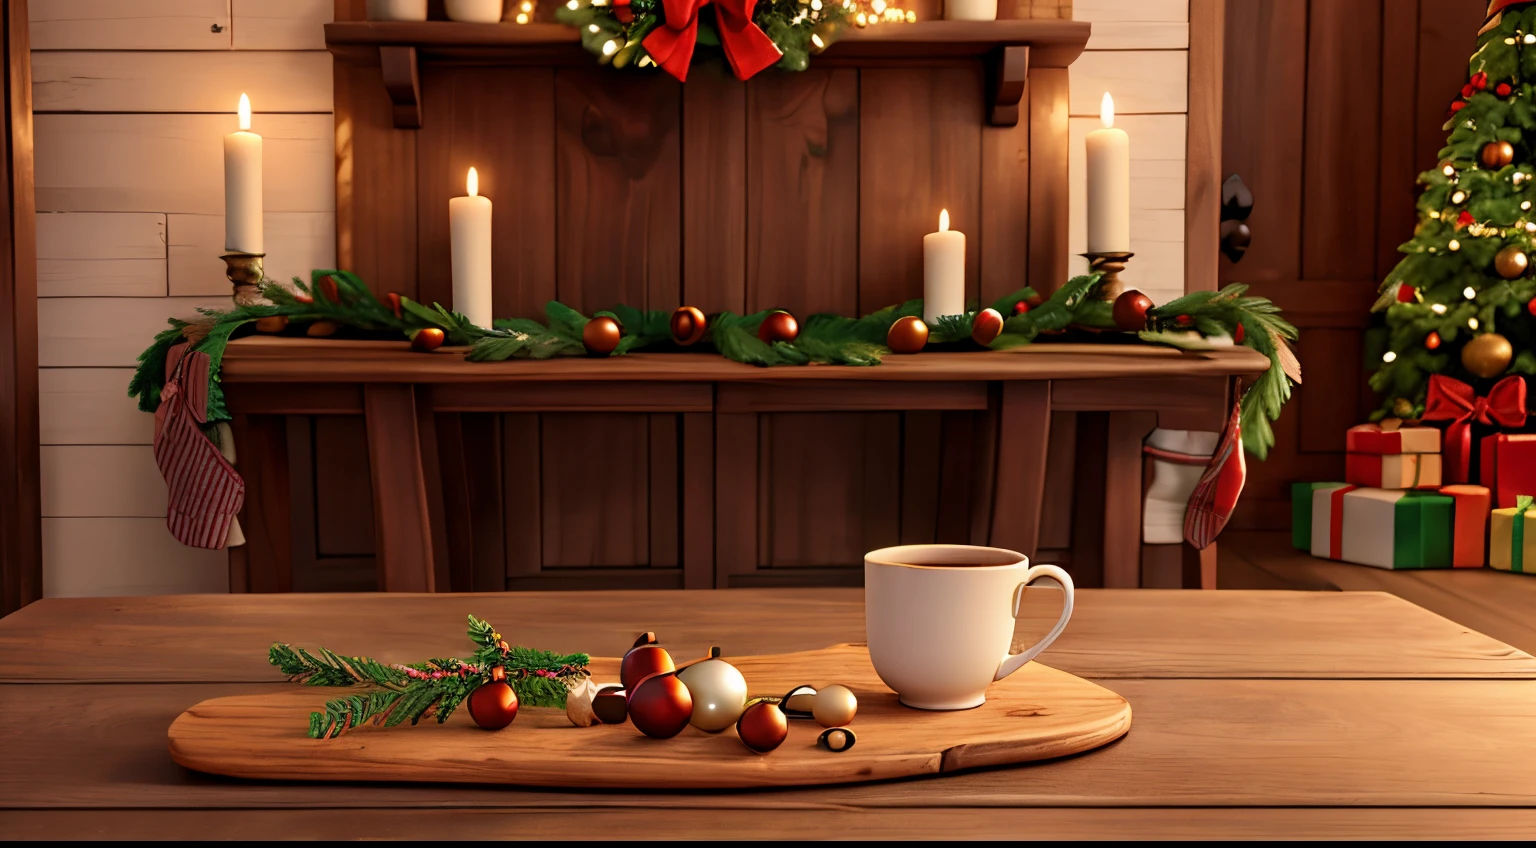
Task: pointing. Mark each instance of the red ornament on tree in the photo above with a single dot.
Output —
(1021, 307)
(1503, 89)
(1480, 80)
(1467, 90)
(1406, 293)
(1465, 219)
(1432, 340)
(1531, 306)
(1458, 105)
(493, 705)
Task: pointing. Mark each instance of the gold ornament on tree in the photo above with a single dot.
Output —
(1487, 355)
(1511, 262)
(1497, 154)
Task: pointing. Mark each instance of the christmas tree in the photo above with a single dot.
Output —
(1461, 302)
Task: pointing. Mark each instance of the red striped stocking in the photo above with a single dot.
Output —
(206, 493)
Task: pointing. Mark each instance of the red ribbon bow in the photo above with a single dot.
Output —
(1454, 401)
(747, 47)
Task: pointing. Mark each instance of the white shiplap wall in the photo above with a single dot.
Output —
(133, 100)
(1139, 53)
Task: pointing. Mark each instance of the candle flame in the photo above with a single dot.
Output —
(245, 111)
(472, 183)
(1107, 110)
(943, 220)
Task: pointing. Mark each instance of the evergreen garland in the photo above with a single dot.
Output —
(435, 687)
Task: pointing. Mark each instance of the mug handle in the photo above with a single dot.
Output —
(1013, 662)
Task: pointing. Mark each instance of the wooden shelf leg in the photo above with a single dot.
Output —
(403, 544)
(698, 518)
(1007, 70)
(1122, 498)
(736, 454)
(1023, 440)
(265, 562)
(402, 81)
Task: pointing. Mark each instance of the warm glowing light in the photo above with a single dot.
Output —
(816, 5)
(911, 17)
(1437, 308)
(1509, 41)
(472, 183)
(1107, 110)
(645, 62)
(527, 6)
(861, 19)
(592, 28)
(1530, 38)
(822, 45)
(1389, 356)
(1472, 322)
(1448, 170)
(1434, 214)
(245, 112)
(878, 6)
(943, 220)
(573, 5)
(1458, 197)
(1469, 293)
(522, 17)
(1454, 245)
(610, 47)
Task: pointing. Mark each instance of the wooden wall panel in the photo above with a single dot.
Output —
(1048, 178)
(715, 201)
(139, 25)
(921, 154)
(297, 243)
(595, 490)
(500, 121)
(85, 559)
(90, 406)
(1004, 230)
(101, 480)
(142, 81)
(343, 487)
(375, 207)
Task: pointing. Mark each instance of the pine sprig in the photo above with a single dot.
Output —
(435, 687)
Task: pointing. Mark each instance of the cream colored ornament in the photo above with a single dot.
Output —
(719, 692)
(578, 703)
(834, 706)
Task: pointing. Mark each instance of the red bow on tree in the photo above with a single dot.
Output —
(1454, 401)
(206, 492)
(748, 48)
(1496, 12)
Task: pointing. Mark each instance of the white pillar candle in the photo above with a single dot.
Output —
(242, 186)
(1109, 185)
(943, 271)
(970, 10)
(469, 229)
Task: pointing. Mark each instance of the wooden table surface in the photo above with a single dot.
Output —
(1256, 713)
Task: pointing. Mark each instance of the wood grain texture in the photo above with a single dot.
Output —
(522, 457)
(343, 487)
(1048, 179)
(1003, 255)
(143, 25)
(1023, 442)
(774, 397)
(1141, 81)
(595, 489)
(297, 243)
(103, 254)
(1142, 633)
(265, 562)
(737, 496)
(803, 182)
(258, 359)
(375, 178)
(201, 81)
(714, 188)
(89, 406)
(1037, 713)
(698, 501)
(927, 130)
(402, 524)
(806, 823)
(21, 547)
(280, 24)
(501, 122)
(1202, 186)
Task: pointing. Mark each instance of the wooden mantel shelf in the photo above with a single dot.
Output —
(1009, 47)
(264, 359)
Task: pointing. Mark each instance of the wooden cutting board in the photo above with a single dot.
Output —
(1037, 713)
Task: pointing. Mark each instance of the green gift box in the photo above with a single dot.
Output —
(1301, 512)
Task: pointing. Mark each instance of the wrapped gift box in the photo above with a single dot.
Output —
(1301, 512)
(1508, 467)
(1371, 438)
(1512, 537)
(1386, 528)
(1469, 526)
(1396, 471)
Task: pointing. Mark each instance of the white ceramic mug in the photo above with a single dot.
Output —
(939, 619)
(473, 11)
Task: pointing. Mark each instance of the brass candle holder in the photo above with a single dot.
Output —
(245, 273)
(1110, 265)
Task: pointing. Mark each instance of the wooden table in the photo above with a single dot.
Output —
(422, 466)
(1327, 714)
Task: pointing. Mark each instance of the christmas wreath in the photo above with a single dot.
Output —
(337, 300)
(753, 34)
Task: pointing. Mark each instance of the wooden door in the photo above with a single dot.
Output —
(1332, 107)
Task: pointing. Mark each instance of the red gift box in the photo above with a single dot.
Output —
(1509, 467)
(1393, 471)
(1371, 438)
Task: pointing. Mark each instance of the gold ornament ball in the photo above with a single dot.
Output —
(688, 325)
(719, 694)
(601, 335)
(1497, 154)
(1511, 262)
(322, 328)
(834, 706)
(427, 339)
(272, 324)
(762, 727)
(907, 335)
(1487, 355)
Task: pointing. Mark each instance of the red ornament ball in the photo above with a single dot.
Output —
(1480, 80)
(1497, 154)
(1531, 306)
(643, 660)
(1406, 293)
(660, 705)
(688, 325)
(1130, 310)
(1432, 341)
(762, 727)
(1458, 105)
(493, 705)
(1503, 89)
(986, 326)
(601, 335)
(1239, 334)
(1021, 307)
(907, 335)
(427, 339)
(1464, 219)
(778, 326)
(1467, 90)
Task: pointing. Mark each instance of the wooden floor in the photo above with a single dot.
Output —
(1496, 603)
